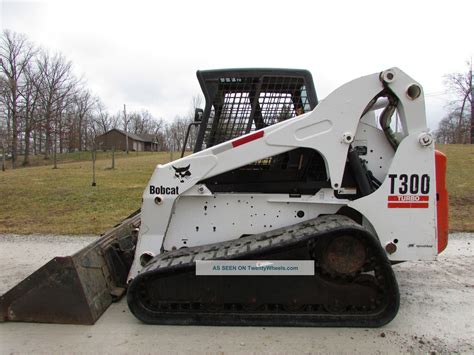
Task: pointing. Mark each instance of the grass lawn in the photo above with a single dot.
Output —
(460, 181)
(44, 200)
(38, 160)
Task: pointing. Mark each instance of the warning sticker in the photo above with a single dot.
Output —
(408, 201)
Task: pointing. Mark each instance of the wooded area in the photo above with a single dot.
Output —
(458, 125)
(46, 109)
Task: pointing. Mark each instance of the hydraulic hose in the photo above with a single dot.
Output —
(386, 119)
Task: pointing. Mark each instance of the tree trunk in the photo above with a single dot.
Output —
(79, 134)
(34, 142)
(60, 129)
(14, 141)
(85, 139)
(9, 126)
(55, 158)
(47, 138)
(459, 135)
(472, 118)
(14, 132)
(3, 157)
(26, 158)
(40, 138)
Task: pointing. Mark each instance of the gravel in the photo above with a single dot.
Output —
(436, 314)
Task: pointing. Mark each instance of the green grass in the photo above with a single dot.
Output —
(38, 160)
(460, 181)
(45, 200)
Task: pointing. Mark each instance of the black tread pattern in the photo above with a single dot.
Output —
(144, 291)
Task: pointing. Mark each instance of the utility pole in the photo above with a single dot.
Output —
(126, 127)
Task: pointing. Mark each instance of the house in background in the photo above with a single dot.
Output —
(116, 139)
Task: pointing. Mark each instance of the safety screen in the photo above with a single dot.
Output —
(239, 101)
(234, 117)
(244, 104)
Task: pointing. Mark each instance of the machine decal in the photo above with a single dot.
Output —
(413, 184)
(227, 146)
(162, 190)
(407, 201)
(247, 139)
(221, 148)
(182, 173)
(408, 191)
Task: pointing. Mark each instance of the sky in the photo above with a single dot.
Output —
(145, 53)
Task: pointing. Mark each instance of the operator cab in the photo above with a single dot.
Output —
(239, 101)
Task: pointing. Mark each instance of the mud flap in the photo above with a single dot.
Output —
(76, 289)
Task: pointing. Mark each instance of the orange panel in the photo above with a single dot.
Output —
(442, 203)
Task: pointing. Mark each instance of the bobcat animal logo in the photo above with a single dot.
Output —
(182, 173)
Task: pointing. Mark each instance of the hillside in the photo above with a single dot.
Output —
(45, 200)
(460, 181)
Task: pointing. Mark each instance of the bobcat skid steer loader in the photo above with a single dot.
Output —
(352, 184)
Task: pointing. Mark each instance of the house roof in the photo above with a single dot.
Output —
(137, 137)
(148, 137)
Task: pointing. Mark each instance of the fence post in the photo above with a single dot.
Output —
(113, 157)
(93, 166)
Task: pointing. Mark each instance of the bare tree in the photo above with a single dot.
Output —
(3, 121)
(84, 104)
(457, 126)
(16, 52)
(175, 131)
(196, 102)
(4, 134)
(136, 124)
(103, 120)
(451, 130)
(143, 122)
(30, 95)
(179, 128)
(56, 86)
(45, 109)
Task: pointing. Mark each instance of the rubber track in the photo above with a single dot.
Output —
(273, 245)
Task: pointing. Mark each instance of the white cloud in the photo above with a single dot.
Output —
(146, 54)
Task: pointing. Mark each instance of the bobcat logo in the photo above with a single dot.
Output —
(181, 173)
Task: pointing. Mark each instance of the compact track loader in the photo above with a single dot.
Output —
(352, 183)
